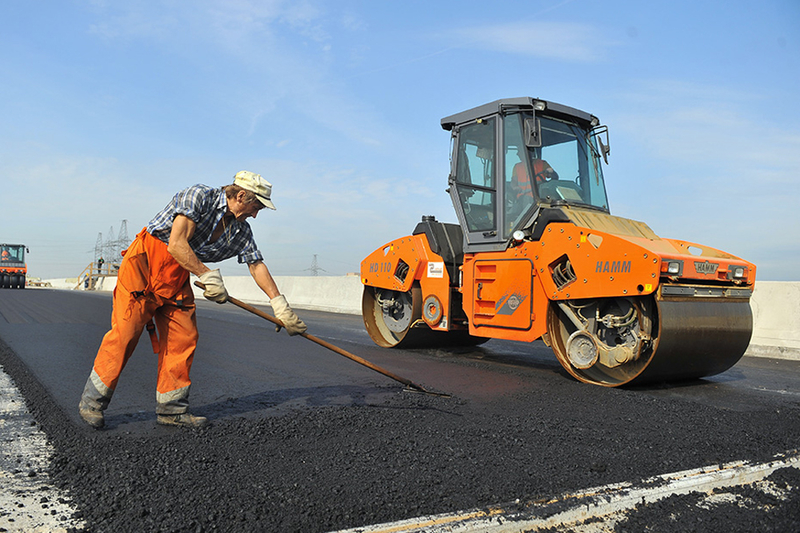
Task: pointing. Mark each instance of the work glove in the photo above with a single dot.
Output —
(284, 313)
(215, 289)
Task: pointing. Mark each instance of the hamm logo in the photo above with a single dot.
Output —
(613, 266)
(705, 267)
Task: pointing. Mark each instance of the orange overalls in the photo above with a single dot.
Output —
(151, 285)
(540, 169)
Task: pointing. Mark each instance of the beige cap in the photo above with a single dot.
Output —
(255, 184)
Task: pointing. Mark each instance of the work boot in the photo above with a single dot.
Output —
(184, 420)
(93, 417)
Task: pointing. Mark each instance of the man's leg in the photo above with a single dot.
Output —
(177, 328)
(128, 317)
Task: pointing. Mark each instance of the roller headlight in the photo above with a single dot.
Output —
(672, 267)
(738, 272)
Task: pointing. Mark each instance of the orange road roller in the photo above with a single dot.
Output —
(537, 254)
(13, 270)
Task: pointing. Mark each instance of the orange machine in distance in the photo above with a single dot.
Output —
(13, 269)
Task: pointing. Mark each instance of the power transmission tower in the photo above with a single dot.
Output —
(123, 235)
(98, 247)
(315, 268)
(122, 241)
(111, 249)
(110, 245)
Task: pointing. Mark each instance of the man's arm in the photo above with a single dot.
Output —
(182, 230)
(263, 278)
(281, 308)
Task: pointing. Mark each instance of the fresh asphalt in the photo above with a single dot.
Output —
(303, 439)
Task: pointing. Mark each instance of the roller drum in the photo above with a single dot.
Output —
(681, 338)
(697, 338)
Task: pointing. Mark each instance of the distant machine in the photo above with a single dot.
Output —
(537, 254)
(12, 266)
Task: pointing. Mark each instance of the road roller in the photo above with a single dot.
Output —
(13, 270)
(537, 254)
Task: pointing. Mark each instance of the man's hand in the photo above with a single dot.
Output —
(215, 289)
(284, 313)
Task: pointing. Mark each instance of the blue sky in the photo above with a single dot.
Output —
(109, 108)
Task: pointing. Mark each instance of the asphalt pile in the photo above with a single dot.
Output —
(744, 508)
(323, 468)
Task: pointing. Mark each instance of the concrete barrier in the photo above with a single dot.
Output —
(776, 320)
(333, 294)
(775, 305)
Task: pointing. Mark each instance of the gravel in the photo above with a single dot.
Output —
(742, 509)
(322, 468)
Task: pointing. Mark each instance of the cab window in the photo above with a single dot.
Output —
(475, 175)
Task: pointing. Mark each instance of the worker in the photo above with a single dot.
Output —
(201, 224)
(4, 255)
(542, 171)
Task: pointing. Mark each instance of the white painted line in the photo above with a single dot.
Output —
(591, 503)
(28, 501)
(782, 392)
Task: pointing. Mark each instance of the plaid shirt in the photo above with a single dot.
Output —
(206, 206)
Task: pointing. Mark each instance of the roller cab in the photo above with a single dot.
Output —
(537, 254)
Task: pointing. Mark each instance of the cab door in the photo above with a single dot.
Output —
(473, 184)
(502, 292)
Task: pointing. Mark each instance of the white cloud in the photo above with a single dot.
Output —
(550, 40)
(230, 18)
(275, 75)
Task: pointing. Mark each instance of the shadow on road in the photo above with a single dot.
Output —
(279, 402)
